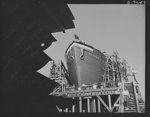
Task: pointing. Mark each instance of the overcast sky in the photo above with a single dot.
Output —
(108, 28)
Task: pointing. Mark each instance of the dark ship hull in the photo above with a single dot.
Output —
(85, 64)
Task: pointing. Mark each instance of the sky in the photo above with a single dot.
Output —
(108, 28)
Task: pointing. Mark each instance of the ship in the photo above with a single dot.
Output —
(85, 63)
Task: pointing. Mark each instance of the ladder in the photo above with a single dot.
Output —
(132, 106)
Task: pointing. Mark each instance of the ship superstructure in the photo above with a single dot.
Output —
(99, 81)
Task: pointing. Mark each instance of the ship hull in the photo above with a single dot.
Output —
(85, 64)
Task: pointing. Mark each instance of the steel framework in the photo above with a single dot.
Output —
(104, 97)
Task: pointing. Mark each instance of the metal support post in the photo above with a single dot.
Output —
(136, 98)
(66, 110)
(88, 104)
(121, 108)
(99, 105)
(73, 108)
(109, 101)
(113, 69)
(94, 106)
(80, 104)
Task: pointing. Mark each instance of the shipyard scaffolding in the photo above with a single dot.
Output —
(108, 96)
